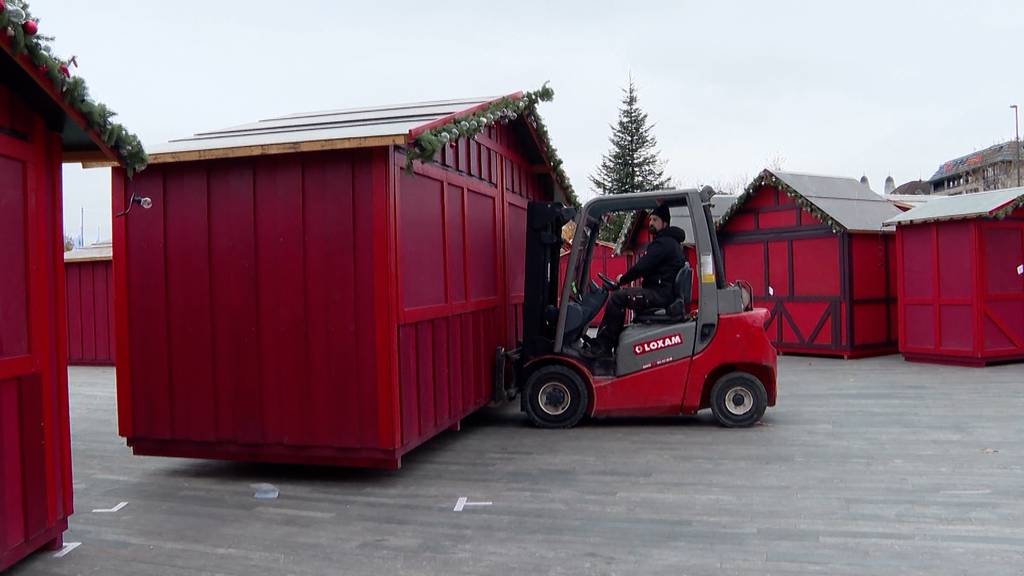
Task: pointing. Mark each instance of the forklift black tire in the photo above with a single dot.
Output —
(556, 397)
(738, 400)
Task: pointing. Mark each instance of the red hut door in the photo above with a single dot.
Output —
(28, 499)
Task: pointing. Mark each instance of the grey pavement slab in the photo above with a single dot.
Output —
(872, 466)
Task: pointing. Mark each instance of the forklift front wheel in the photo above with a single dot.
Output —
(556, 397)
(738, 400)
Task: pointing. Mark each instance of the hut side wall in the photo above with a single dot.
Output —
(460, 237)
(873, 322)
(961, 294)
(35, 450)
(249, 303)
(90, 312)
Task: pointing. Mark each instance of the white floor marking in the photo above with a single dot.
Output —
(463, 502)
(111, 510)
(68, 547)
(965, 492)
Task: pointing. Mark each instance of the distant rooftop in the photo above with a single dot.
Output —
(993, 154)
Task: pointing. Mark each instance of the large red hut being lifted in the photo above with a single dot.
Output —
(961, 278)
(40, 127)
(90, 305)
(295, 295)
(815, 254)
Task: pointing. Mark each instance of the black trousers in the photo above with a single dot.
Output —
(615, 312)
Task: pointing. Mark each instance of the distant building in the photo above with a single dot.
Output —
(993, 168)
(913, 188)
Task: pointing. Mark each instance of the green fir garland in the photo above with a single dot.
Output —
(15, 17)
(504, 110)
(1009, 208)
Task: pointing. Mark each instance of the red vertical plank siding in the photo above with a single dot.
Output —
(233, 295)
(35, 462)
(373, 284)
(146, 293)
(281, 304)
(74, 313)
(331, 301)
(87, 294)
(101, 302)
(190, 341)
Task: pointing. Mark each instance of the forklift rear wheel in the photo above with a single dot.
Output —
(556, 397)
(738, 399)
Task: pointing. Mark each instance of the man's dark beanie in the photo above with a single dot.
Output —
(662, 212)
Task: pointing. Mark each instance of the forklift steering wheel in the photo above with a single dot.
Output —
(609, 284)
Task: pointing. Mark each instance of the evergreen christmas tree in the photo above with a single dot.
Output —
(633, 164)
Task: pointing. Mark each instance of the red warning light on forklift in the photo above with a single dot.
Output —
(660, 343)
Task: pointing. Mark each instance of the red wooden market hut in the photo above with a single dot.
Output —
(296, 294)
(90, 305)
(960, 263)
(45, 119)
(816, 256)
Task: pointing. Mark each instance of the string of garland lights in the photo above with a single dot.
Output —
(766, 178)
(502, 111)
(1008, 209)
(21, 32)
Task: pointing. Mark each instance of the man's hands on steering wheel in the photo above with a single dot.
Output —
(609, 284)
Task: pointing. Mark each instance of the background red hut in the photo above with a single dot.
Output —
(961, 278)
(90, 305)
(296, 295)
(44, 119)
(815, 254)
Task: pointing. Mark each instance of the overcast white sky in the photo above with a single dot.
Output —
(871, 88)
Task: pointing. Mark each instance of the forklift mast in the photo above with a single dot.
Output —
(544, 222)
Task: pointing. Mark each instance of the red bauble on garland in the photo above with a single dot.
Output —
(29, 27)
(2, 7)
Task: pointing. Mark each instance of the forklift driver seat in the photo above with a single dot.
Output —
(676, 311)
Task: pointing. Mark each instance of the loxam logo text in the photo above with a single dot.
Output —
(654, 345)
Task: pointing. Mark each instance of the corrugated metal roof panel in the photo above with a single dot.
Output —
(846, 200)
(979, 204)
(392, 120)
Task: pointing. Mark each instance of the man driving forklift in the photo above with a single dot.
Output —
(657, 268)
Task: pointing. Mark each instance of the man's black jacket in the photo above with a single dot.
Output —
(660, 264)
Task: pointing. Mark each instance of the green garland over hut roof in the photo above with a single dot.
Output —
(20, 38)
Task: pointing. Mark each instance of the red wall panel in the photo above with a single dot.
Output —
(816, 267)
(90, 312)
(422, 225)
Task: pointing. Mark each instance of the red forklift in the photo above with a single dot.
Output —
(707, 349)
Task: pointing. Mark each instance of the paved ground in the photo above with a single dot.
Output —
(866, 467)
